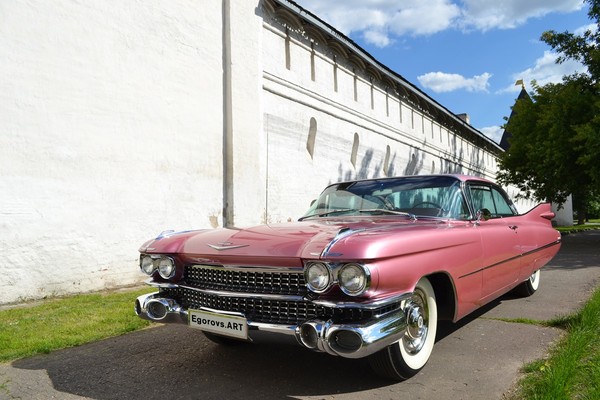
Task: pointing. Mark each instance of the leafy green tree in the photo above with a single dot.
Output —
(548, 157)
(584, 48)
(555, 140)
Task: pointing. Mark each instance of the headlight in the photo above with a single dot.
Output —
(166, 267)
(147, 265)
(354, 279)
(317, 277)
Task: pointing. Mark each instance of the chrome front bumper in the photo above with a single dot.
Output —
(345, 340)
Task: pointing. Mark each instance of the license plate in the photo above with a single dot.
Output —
(222, 324)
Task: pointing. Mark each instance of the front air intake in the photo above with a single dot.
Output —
(157, 309)
(309, 336)
(343, 341)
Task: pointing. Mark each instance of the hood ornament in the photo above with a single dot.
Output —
(226, 246)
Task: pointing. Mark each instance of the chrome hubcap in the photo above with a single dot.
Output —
(417, 323)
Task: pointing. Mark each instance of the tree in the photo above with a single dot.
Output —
(584, 48)
(548, 157)
(555, 139)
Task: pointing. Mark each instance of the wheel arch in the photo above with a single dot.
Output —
(445, 295)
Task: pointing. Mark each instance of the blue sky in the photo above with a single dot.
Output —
(465, 54)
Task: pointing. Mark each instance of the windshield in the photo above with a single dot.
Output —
(415, 196)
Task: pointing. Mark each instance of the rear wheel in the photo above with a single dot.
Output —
(530, 286)
(408, 356)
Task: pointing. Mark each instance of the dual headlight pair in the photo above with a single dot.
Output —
(165, 265)
(353, 279)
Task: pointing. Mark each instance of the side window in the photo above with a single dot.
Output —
(503, 206)
(459, 209)
(482, 198)
(492, 199)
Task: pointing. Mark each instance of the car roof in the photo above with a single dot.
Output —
(459, 177)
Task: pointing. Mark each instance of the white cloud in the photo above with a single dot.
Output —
(506, 14)
(423, 17)
(493, 132)
(545, 71)
(581, 30)
(441, 82)
(378, 38)
(379, 21)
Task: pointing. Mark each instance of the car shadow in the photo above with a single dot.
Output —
(446, 328)
(175, 362)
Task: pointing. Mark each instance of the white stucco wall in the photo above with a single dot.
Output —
(299, 88)
(248, 162)
(123, 119)
(111, 124)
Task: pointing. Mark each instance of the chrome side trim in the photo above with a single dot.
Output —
(512, 258)
(551, 244)
(367, 305)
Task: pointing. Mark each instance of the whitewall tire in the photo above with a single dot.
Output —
(408, 356)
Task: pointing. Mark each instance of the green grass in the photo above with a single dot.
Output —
(65, 322)
(592, 224)
(572, 370)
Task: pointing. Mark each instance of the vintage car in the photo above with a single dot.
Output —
(368, 271)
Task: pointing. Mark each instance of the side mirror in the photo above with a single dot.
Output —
(483, 215)
(313, 202)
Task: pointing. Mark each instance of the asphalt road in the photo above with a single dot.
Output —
(479, 358)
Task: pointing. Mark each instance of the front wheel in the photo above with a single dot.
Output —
(530, 286)
(405, 358)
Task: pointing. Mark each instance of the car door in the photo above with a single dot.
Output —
(499, 238)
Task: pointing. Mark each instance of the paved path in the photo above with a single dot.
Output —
(479, 358)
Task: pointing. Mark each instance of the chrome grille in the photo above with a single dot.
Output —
(267, 310)
(245, 280)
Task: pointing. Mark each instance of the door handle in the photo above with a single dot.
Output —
(513, 227)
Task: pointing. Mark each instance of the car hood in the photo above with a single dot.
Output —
(359, 238)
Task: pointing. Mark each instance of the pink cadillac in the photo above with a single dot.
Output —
(368, 271)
